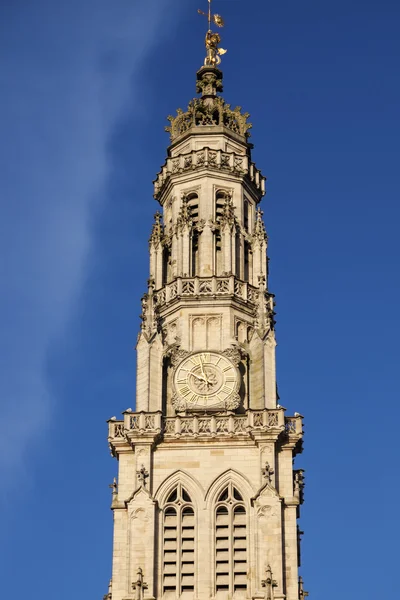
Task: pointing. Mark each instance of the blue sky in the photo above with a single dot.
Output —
(86, 88)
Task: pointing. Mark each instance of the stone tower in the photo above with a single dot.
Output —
(207, 501)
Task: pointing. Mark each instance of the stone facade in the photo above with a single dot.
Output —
(207, 501)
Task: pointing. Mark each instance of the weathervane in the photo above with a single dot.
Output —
(214, 53)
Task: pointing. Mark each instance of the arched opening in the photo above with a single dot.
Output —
(166, 265)
(178, 539)
(192, 200)
(246, 215)
(220, 200)
(248, 262)
(231, 544)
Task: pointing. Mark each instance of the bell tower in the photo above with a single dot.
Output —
(207, 501)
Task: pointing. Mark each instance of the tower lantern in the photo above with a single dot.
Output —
(206, 501)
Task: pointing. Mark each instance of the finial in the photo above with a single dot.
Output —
(213, 57)
(114, 487)
(302, 594)
(139, 585)
(269, 583)
(267, 472)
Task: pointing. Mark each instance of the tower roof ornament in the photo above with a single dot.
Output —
(210, 109)
(213, 57)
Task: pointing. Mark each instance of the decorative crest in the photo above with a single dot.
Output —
(213, 57)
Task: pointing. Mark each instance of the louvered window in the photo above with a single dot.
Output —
(193, 206)
(220, 200)
(231, 544)
(178, 544)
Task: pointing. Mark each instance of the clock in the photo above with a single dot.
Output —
(206, 380)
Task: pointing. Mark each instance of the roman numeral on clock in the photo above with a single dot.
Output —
(185, 390)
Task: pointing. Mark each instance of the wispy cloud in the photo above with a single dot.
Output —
(66, 73)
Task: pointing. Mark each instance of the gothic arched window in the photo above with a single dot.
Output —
(220, 200)
(178, 540)
(248, 262)
(193, 205)
(231, 543)
(246, 215)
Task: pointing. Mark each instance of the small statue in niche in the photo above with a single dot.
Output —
(267, 472)
(142, 475)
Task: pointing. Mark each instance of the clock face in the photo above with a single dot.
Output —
(204, 380)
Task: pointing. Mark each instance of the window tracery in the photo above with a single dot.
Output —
(231, 543)
(178, 535)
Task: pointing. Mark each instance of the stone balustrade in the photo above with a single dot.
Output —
(205, 425)
(206, 286)
(230, 162)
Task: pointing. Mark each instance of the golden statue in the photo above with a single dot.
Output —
(214, 53)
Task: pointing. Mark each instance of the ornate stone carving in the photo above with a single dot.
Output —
(227, 218)
(233, 402)
(149, 314)
(184, 219)
(175, 354)
(269, 583)
(142, 475)
(260, 234)
(298, 485)
(214, 112)
(119, 430)
(178, 403)
(114, 487)
(139, 586)
(267, 472)
(234, 354)
(157, 232)
(210, 82)
(265, 318)
(266, 511)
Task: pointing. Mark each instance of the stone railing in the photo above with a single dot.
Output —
(206, 286)
(204, 425)
(294, 425)
(211, 159)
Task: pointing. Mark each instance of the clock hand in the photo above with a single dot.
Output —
(204, 374)
(198, 377)
(202, 369)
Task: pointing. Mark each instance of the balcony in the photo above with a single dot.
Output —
(230, 162)
(183, 287)
(203, 426)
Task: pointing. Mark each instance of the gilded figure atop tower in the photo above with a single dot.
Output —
(213, 57)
